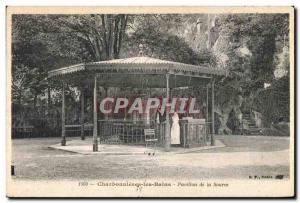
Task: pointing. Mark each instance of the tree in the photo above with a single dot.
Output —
(102, 35)
(249, 46)
(165, 37)
(38, 47)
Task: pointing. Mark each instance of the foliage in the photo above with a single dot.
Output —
(250, 46)
(102, 35)
(251, 42)
(273, 102)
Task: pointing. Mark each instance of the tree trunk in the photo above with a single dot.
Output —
(35, 100)
(20, 98)
(121, 33)
(116, 35)
(110, 36)
(113, 33)
(49, 96)
(104, 35)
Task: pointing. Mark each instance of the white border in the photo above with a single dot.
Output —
(3, 3)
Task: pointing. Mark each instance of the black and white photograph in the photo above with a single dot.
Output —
(150, 102)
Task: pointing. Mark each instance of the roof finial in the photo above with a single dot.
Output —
(141, 50)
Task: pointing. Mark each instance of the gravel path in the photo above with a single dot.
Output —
(34, 160)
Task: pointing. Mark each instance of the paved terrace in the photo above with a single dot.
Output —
(85, 147)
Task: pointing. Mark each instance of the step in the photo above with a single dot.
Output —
(252, 126)
(254, 131)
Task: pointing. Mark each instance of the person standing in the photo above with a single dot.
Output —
(175, 130)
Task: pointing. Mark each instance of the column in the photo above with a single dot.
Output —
(106, 116)
(167, 130)
(206, 116)
(95, 141)
(82, 114)
(63, 117)
(213, 112)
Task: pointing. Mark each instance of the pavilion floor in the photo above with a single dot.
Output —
(85, 147)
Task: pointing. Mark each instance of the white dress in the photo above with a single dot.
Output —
(175, 130)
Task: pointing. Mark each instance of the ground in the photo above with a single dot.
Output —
(242, 157)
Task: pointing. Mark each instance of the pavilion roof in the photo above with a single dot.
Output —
(137, 65)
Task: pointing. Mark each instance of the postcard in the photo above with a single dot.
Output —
(157, 102)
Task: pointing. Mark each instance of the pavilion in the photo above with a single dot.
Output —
(139, 71)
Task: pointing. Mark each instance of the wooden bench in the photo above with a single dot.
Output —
(24, 131)
(75, 129)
